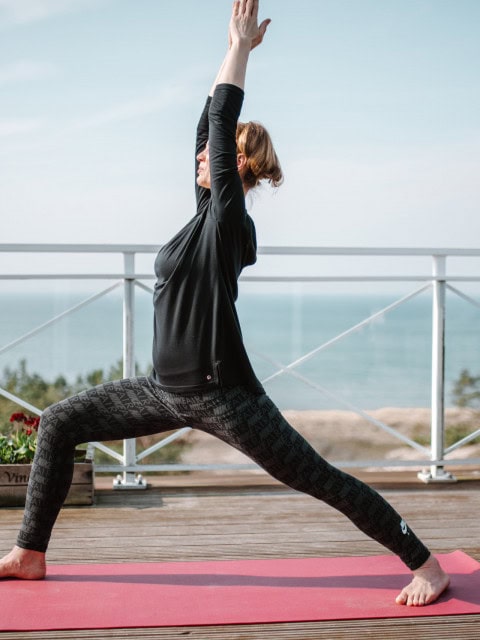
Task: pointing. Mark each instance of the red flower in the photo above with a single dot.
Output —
(17, 417)
(28, 432)
(29, 421)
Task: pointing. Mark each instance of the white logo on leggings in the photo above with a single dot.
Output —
(404, 527)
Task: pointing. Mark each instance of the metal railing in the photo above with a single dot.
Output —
(129, 464)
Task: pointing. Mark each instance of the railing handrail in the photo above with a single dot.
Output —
(263, 249)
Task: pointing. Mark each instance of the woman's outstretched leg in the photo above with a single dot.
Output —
(254, 425)
(116, 410)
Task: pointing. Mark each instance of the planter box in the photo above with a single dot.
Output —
(14, 481)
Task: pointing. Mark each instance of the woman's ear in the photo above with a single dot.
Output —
(241, 163)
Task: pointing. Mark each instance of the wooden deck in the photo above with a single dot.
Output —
(200, 517)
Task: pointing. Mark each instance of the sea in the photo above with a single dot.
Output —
(383, 363)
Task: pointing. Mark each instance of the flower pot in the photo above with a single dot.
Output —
(14, 481)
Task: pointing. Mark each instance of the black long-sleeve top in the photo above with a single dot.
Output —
(197, 337)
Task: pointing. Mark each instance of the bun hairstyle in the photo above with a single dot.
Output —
(254, 141)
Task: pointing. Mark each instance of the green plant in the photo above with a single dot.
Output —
(457, 432)
(18, 446)
(453, 433)
(421, 433)
(466, 390)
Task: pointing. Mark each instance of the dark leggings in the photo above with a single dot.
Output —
(252, 423)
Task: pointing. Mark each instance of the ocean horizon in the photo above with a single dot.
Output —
(386, 363)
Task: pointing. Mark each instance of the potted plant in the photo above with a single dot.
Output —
(17, 449)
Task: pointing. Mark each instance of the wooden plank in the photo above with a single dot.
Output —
(435, 628)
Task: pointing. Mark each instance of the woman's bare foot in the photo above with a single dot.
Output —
(23, 563)
(429, 582)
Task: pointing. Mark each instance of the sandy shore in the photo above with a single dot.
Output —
(344, 435)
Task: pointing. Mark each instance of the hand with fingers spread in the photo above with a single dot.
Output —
(244, 34)
(244, 23)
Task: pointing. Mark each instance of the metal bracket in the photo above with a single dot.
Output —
(439, 475)
(138, 482)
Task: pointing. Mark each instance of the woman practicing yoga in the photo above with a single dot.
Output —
(201, 375)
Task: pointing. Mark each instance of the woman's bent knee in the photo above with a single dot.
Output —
(54, 425)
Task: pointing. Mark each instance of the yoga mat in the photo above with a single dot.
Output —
(102, 596)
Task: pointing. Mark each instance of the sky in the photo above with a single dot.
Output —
(373, 106)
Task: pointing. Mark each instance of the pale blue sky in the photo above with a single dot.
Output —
(374, 106)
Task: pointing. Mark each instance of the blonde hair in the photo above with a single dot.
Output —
(262, 163)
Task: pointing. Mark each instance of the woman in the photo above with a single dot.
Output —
(202, 376)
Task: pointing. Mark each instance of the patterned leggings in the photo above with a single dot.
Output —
(252, 423)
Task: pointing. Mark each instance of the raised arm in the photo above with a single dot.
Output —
(226, 187)
(244, 34)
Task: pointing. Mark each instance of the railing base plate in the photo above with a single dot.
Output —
(441, 476)
(121, 483)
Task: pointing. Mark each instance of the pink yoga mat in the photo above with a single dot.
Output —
(101, 596)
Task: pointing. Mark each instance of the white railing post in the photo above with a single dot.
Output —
(437, 472)
(128, 480)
